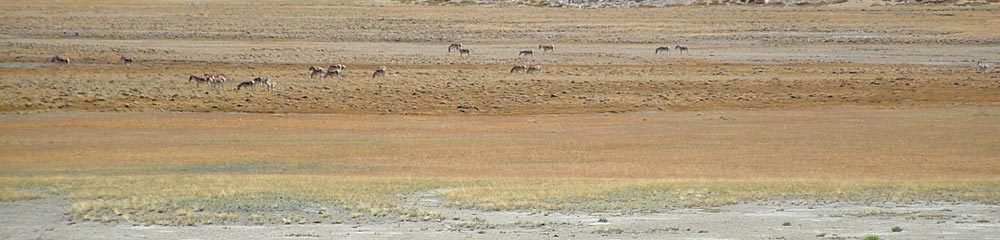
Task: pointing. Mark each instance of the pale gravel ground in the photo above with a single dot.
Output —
(44, 219)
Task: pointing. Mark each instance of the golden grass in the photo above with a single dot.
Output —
(11, 195)
(194, 169)
(837, 144)
(276, 199)
(652, 195)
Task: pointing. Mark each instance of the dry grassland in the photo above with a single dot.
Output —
(247, 168)
(818, 104)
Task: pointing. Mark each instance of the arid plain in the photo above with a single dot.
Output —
(831, 121)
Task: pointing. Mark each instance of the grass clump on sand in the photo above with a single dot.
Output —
(651, 195)
(11, 195)
(307, 199)
(227, 199)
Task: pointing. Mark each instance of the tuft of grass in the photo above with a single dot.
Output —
(602, 220)
(786, 223)
(871, 237)
(475, 224)
(897, 229)
(609, 231)
(650, 195)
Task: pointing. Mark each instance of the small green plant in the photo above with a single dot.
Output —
(787, 223)
(871, 237)
(896, 229)
(602, 219)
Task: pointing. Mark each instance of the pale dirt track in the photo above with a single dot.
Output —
(43, 219)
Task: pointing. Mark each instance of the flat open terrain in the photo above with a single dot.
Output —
(833, 121)
(739, 58)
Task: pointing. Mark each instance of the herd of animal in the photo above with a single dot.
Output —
(218, 81)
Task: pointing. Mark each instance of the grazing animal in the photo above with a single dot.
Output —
(663, 49)
(247, 84)
(199, 79)
(519, 68)
(681, 49)
(380, 72)
(533, 68)
(984, 68)
(217, 80)
(467, 52)
(268, 83)
(342, 67)
(59, 59)
(333, 72)
(316, 71)
(546, 48)
(127, 60)
(454, 46)
(526, 53)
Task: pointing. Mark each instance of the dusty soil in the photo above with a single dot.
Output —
(840, 92)
(836, 144)
(741, 57)
(43, 219)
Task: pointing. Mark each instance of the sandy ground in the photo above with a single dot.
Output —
(44, 219)
(873, 89)
(741, 57)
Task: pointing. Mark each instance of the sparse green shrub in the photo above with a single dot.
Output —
(897, 229)
(871, 237)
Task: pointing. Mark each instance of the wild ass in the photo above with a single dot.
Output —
(247, 84)
(681, 49)
(467, 52)
(519, 68)
(534, 68)
(454, 46)
(380, 72)
(984, 68)
(59, 59)
(126, 60)
(316, 71)
(663, 49)
(333, 72)
(199, 79)
(342, 67)
(267, 82)
(526, 53)
(547, 47)
(217, 80)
